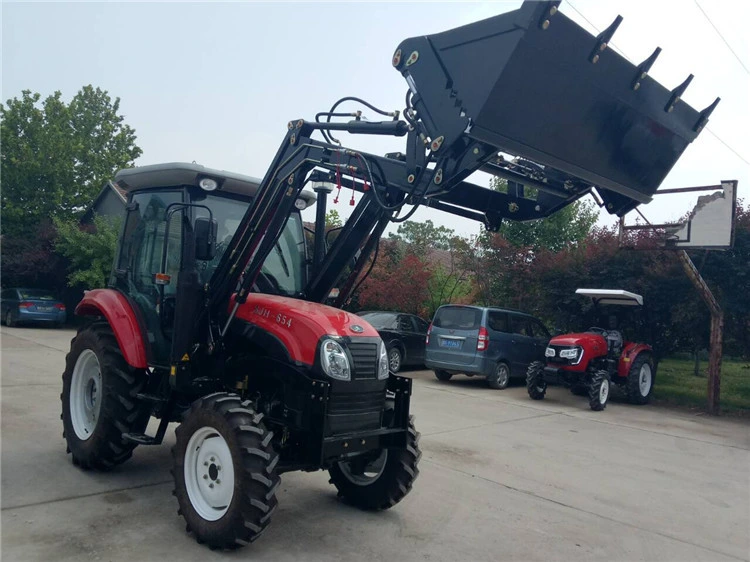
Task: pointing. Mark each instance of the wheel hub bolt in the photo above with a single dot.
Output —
(218, 481)
(211, 485)
(205, 477)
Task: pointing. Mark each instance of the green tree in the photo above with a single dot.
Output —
(91, 251)
(57, 156)
(424, 235)
(569, 225)
(333, 219)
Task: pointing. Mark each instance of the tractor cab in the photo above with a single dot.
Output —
(616, 316)
(181, 218)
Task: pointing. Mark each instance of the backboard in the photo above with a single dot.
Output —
(709, 226)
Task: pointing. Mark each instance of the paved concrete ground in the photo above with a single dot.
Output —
(502, 478)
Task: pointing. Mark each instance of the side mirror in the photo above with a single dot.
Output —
(205, 238)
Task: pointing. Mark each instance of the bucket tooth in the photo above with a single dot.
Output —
(677, 94)
(603, 39)
(643, 68)
(703, 118)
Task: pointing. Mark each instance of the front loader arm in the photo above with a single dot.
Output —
(527, 96)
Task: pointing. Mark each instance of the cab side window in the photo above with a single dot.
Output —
(519, 326)
(497, 321)
(405, 324)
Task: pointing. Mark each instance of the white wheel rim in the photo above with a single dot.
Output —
(394, 360)
(372, 471)
(209, 473)
(85, 394)
(644, 379)
(604, 392)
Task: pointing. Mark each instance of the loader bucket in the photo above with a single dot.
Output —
(534, 84)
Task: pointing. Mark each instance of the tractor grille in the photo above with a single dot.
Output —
(355, 411)
(557, 360)
(365, 357)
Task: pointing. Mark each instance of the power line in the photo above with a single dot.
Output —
(717, 137)
(705, 15)
(737, 154)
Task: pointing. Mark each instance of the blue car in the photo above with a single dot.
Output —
(20, 306)
(495, 343)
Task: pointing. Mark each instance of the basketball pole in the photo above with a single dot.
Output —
(717, 320)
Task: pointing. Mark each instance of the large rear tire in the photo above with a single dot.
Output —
(225, 471)
(381, 480)
(535, 383)
(640, 381)
(99, 400)
(599, 388)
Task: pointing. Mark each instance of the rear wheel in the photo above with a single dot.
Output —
(599, 386)
(9, 319)
(99, 400)
(500, 377)
(381, 479)
(443, 375)
(535, 383)
(225, 471)
(394, 360)
(641, 379)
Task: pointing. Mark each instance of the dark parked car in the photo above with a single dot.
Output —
(32, 306)
(403, 334)
(495, 343)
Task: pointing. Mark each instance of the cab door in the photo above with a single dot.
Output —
(152, 244)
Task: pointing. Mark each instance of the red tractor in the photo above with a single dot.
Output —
(590, 362)
(216, 315)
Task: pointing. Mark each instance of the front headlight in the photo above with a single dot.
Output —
(382, 362)
(575, 354)
(334, 361)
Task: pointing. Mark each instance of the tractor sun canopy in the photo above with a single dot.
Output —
(612, 296)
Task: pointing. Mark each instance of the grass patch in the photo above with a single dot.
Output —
(676, 383)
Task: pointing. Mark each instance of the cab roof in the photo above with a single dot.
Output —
(612, 296)
(182, 173)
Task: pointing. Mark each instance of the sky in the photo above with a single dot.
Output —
(216, 83)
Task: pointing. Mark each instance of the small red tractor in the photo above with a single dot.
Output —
(216, 316)
(590, 362)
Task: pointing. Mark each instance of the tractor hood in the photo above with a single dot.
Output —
(580, 339)
(299, 325)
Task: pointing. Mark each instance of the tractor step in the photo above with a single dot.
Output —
(141, 439)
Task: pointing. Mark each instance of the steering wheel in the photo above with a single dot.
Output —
(266, 281)
(596, 330)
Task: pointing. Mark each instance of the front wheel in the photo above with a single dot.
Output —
(640, 379)
(381, 479)
(394, 360)
(225, 471)
(100, 400)
(536, 386)
(599, 390)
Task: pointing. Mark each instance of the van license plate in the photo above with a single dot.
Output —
(454, 344)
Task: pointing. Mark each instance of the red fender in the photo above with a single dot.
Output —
(120, 315)
(629, 353)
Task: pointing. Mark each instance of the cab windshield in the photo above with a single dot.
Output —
(284, 270)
